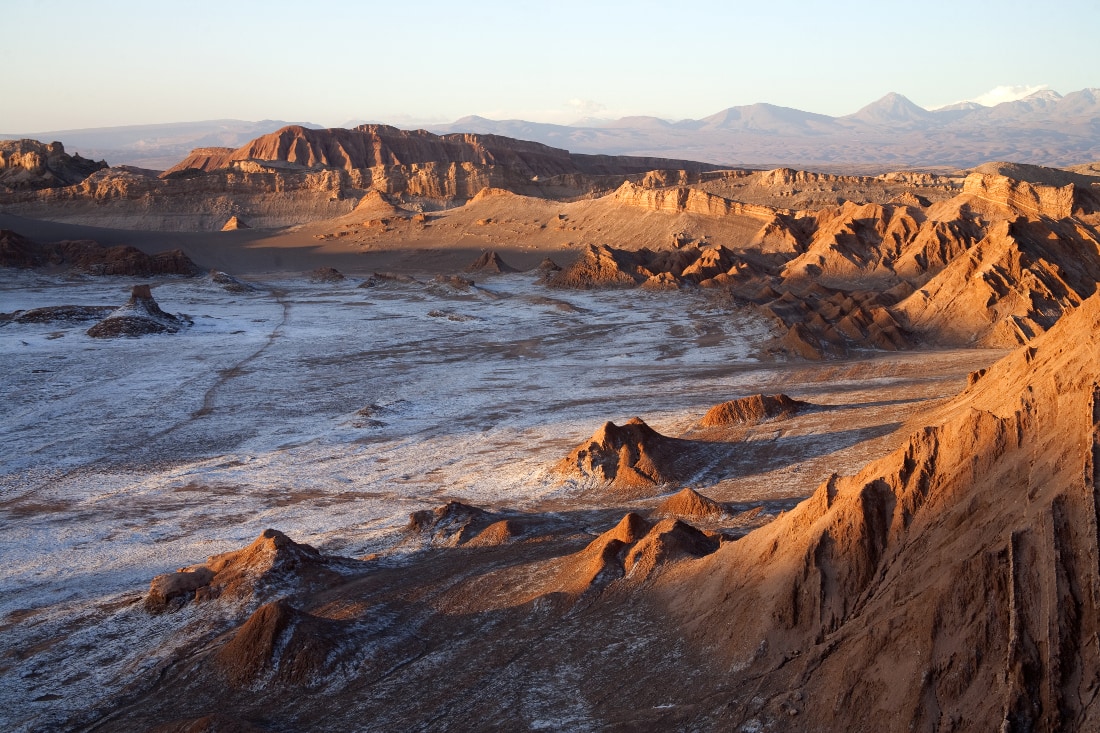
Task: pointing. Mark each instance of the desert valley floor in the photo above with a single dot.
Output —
(332, 411)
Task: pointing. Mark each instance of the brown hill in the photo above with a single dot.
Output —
(282, 644)
(688, 502)
(752, 410)
(272, 558)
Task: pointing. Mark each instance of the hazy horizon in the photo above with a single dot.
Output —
(128, 63)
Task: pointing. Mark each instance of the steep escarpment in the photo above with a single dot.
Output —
(373, 146)
(957, 575)
(1012, 285)
(437, 170)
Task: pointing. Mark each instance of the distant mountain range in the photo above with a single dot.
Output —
(1044, 128)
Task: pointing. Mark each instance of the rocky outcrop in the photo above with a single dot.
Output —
(601, 266)
(449, 525)
(31, 165)
(630, 459)
(753, 410)
(234, 224)
(1021, 197)
(58, 314)
(139, 316)
(490, 262)
(817, 322)
(326, 275)
(91, 258)
(273, 559)
(684, 199)
(229, 283)
(666, 542)
(629, 553)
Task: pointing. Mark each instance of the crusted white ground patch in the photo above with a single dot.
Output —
(325, 410)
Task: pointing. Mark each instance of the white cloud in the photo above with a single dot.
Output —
(586, 107)
(569, 112)
(1003, 94)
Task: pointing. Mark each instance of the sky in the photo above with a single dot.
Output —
(71, 64)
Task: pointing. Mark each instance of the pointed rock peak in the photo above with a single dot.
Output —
(667, 541)
(490, 261)
(893, 107)
(548, 265)
(629, 530)
(632, 457)
(233, 224)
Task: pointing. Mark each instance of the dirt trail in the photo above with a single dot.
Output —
(237, 369)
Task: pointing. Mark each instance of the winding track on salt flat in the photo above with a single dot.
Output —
(225, 375)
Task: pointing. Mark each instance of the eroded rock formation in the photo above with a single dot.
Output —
(91, 258)
(752, 410)
(631, 458)
(272, 559)
(139, 316)
(31, 165)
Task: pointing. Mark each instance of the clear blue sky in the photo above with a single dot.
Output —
(81, 63)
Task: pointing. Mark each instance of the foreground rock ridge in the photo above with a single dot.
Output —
(949, 585)
(958, 574)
